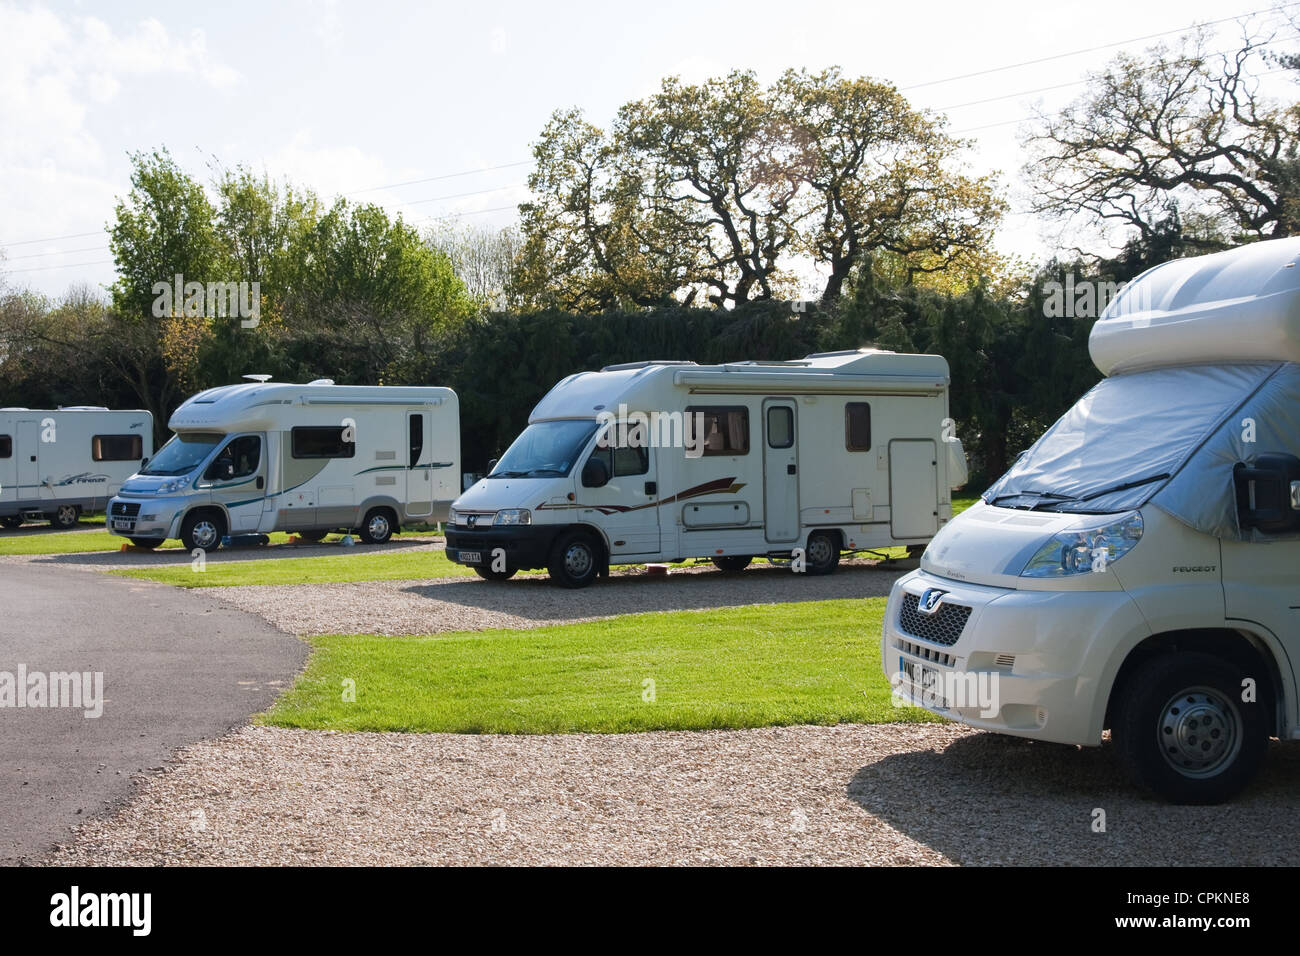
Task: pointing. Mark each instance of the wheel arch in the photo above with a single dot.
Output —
(1249, 650)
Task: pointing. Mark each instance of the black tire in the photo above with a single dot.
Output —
(378, 526)
(822, 553)
(487, 574)
(203, 529)
(576, 560)
(12, 521)
(65, 517)
(732, 562)
(150, 543)
(1183, 731)
(313, 536)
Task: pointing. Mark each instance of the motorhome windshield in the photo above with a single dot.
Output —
(545, 449)
(1121, 442)
(181, 455)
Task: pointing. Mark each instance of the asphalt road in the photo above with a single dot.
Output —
(177, 667)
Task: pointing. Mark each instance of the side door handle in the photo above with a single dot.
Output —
(789, 469)
(652, 487)
(261, 482)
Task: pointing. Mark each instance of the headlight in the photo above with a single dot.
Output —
(514, 516)
(172, 486)
(1085, 549)
(453, 516)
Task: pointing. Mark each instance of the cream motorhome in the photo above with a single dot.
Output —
(57, 464)
(268, 456)
(1138, 568)
(663, 461)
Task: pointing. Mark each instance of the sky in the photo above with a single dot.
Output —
(447, 98)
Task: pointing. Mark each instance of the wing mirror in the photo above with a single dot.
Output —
(492, 465)
(595, 474)
(1268, 493)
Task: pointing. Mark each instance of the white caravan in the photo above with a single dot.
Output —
(57, 464)
(1138, 568)
(267, 456)
(664, 461)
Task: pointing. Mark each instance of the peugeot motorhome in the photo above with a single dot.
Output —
(663, 461)
(57, 464)
(266, 456)
(1138, 569)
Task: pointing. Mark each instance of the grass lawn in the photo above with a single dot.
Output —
(776, 664)
(73, 542)
(378, 565)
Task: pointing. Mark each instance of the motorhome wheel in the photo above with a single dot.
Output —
(65, 517)
(202, 529)
(732, 562)
(1185, 732)
(12, 521)
(378, 526)
(575, 560)
(822, 553)
(487, 574)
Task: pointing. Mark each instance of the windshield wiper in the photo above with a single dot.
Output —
(1037, 494)
(1124, 487)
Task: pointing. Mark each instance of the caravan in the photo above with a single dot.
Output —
(664, 461)
(1138, 568)
(58, 464)
(267, 456)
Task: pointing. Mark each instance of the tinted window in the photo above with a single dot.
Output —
(417, 438)
(725, 429)
(318, 442)
(6, 446)
(623, 461)
(857, 426)
(117, 448)
(780, 427)
(244, 453)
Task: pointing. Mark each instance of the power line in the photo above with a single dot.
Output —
(75, 235)
(431, 179)
(477, 192)
(65, 252)
(70, 265)
(1093, 49)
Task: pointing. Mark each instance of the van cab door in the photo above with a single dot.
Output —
(627, 506)
(1261, 584)
(236, 480)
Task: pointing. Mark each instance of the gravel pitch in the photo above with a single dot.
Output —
(470, 604)
(876, 795)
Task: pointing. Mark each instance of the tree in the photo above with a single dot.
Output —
(1177, 135)
(486, 260)
(723, 190)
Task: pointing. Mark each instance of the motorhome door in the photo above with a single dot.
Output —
(913, 488)
(237, 480)
(27, 443)
(780, 470)
(419, 467)
(627, 508)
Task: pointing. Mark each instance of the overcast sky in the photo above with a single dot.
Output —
(345, 97)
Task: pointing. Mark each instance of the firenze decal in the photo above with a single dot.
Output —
(719, 486)
(85, 478)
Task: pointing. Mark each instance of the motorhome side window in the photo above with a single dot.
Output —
(117, 448)
(857, 426)
(6, 446)
(416, 428)
(725, 429)
(310, 441)
(623, 461)
(244, 454)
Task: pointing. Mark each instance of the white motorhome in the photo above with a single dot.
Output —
(57, 464)
(664, 461)
(267, 456)
(1138, 568)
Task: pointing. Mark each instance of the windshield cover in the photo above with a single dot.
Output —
(545, 449)
(181, 455)
(1135, 429)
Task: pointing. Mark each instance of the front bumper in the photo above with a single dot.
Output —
(1020, 662)
(524, 546)
(151, 518)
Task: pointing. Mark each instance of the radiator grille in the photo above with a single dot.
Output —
(944, 626)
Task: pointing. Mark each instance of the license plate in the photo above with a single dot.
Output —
(927, 683)
(471, 557)
(122, 524)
